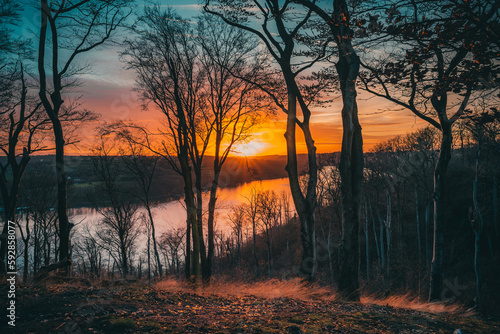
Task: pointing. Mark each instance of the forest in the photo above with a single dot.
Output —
(384, 224)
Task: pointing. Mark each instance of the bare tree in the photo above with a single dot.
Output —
(21, 124)
(283, 45)
(185, 74)
(238, 220)
(329, 204)
(142, 169)
(233, 102)
(165, 60)
(171, 243)
(118, 228)
(251, 210)
(91, 252)
(269, 213)
(91, 24)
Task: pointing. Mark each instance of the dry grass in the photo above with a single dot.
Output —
(413, 303)
(268, 289)
(297, 289)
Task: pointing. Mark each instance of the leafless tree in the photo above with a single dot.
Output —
(329, 204)
(184, 73)
(269, 213)
(251, 211)
(234, 104)
(169, 77)
(238, 220)
(21, 125)
(171, 243)
(90, 23)
(142, 169)
(118, 227)
(90, 251)
(283, 45)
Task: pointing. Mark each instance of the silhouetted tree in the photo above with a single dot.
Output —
(214, 103)
(90, 23)
(142, 169)
(118, 228)
(439, 65)
(283, 45)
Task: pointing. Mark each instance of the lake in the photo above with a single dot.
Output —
(172, 215)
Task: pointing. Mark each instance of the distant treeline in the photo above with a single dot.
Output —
(167, 184)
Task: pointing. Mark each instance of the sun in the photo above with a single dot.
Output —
(250, 149)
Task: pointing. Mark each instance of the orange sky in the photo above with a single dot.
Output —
(113, 99)
(106, 89)
(378, 121)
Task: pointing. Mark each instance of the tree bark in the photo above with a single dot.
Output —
(153, 236)
(440, 183)
(387, 224)
(417, 213)
(351, 173)
(367, 242)
(211, 217)
(305, 206)
(374, 225)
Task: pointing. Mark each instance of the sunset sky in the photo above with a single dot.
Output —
(106, 89)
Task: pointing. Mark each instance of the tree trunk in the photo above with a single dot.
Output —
(124, 259)
(305, 206)
(192, 224)
(239, 237)
(26, 251)
(374, 232)
(211, 217)
(199, 218)
(437, 272)
(417, 212)
(36, 247)
(351, 157)
(495, 206)
(381, 241)
(62, 193)
(155, 246)
(254, 245)
(427, 243)
(367, 243)
(477, 223)
(269, 246)
(388, 229)
(10, 199)
(477, 269)
(149, 255)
